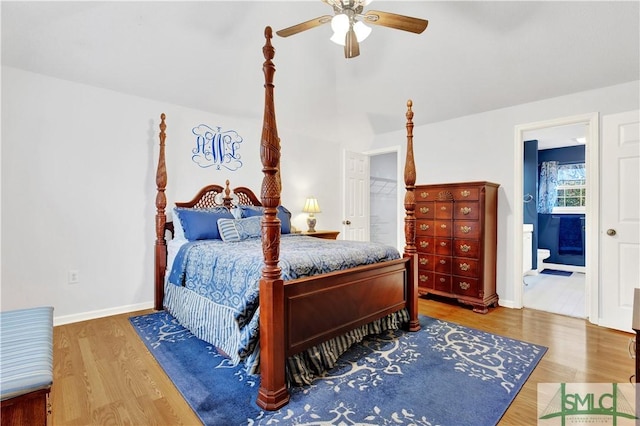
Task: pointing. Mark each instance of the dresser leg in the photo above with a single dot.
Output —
(480, 309)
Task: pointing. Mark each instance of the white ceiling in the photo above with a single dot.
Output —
(474, 56)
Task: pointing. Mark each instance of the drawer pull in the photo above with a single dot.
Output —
(465, 229)
(464, 285)
(443, 244)
(443, 208)
(442, 280)
(465, 193)
(424, 278)
(465, 210)
(443, 226)
(464, 266)
(465, 248)
(424, 227)
(423, 261)
(424, 210)
(443, 262)
(424, 194)
(424, 244)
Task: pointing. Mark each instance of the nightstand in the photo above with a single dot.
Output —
(327, 235)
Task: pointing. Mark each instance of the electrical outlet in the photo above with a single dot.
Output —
(74, 276)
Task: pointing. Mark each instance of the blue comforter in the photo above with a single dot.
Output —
(228, 274)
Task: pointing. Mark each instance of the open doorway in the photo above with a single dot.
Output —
(554, 215)
(526, 132)
(374, 194)
(385, 186)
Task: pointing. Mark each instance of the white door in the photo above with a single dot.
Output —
(620, 219)
(355, 223)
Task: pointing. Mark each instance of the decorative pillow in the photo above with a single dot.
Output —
(178, 231)
(202, 224)
(239, 229)
(283, 214)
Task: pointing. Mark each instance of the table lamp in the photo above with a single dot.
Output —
(311, 206)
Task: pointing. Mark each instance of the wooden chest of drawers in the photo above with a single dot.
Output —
(456, 238)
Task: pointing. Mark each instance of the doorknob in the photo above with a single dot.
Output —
(611, 232)
(346, 222)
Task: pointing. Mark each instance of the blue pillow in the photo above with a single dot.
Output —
(283, 214)
(202, 224)
(239, 229)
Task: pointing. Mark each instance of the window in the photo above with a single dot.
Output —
(572, 181)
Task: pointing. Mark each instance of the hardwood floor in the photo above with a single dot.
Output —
(104, 375)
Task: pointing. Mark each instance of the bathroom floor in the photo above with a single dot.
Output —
(557, 294)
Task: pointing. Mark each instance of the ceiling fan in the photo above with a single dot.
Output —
(348, 24)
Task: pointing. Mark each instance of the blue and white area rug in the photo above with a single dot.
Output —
(444, 374)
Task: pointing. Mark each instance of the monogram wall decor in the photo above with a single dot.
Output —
(216, 148)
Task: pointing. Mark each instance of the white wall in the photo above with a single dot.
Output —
(78, 189)
(480, 147)
(78, 181)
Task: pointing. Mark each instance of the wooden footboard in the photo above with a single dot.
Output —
(322, 307)
(299, 314)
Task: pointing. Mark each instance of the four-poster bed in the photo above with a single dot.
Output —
(301, 313)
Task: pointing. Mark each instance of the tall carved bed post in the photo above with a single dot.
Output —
(273, 392)
(410, 223)
(161, 219)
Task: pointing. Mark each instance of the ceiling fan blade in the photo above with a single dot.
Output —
(351, 45)
(399, 22)
(316, 22)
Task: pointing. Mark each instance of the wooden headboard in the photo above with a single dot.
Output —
(217, 196)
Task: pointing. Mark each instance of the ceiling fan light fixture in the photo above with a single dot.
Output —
(348, 24)
(340, 24)
(362, 31)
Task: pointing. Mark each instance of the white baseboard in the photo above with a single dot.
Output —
(84, 316)
(507, 303)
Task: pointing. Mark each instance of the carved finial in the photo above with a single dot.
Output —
(163, 126)
(409, 110)
(267, 50)
(227, 200)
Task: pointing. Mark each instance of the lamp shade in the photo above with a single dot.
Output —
(340, 25)
(362, 31)
(311, 206)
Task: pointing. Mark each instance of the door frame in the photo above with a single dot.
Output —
(400, 194)
(592, 149)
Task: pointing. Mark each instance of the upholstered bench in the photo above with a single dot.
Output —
(26, 365)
